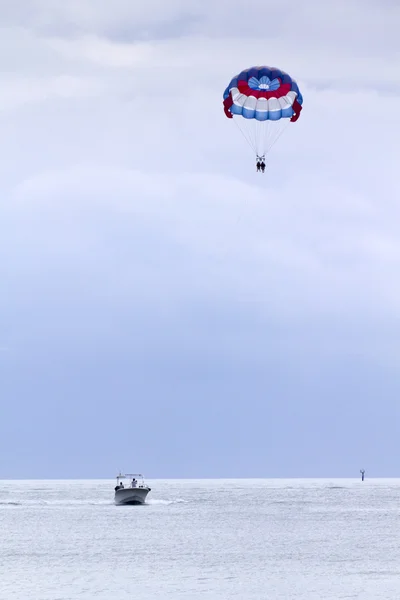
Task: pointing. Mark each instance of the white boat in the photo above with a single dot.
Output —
(135, 492)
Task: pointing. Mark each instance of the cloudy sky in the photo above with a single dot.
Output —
(163, 308)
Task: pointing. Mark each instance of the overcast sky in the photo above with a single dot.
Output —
(163, 308)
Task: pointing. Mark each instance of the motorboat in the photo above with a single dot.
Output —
(133, 491)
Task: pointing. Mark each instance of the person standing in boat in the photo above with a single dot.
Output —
(134, 482)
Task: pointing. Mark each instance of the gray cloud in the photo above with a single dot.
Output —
(143, 262)
(344, 23)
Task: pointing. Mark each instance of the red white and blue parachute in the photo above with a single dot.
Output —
(262, 101)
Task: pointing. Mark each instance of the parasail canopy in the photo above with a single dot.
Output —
(262, 101)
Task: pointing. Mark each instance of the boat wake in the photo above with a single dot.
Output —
(156, 502)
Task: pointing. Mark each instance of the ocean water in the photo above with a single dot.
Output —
(205, 539)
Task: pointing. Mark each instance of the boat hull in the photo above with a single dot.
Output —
(131, 496)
